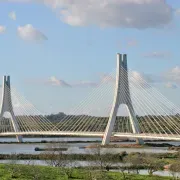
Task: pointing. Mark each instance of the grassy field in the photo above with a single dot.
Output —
(30, 172)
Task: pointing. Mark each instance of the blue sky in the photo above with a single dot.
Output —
(57, 50)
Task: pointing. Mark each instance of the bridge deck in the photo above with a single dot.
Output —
(96, 134)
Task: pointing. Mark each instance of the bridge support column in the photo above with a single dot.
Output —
(6, 105)
(122, 96)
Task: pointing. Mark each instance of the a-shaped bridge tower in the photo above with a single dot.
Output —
(7, 106)
(122, 96)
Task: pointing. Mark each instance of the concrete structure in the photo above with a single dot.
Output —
(6, 105)
(34, 124)
(122, 96)
(168, 137)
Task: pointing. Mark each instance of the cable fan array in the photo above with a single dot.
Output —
(28, 118)
(153, 111)
(87, 116)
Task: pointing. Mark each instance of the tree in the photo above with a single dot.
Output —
(33, 170)
(102, 162)
(55, 157)
(123, 169)
(152, 164)
(135, 161)
(12, 167)
(69, 167)
(175, 170)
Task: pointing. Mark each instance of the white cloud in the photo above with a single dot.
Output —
(136, 79)
(138, 14)
(106, 78)
(85, 84)
(139, 79)
(114, 13)
(170, 79)
(12, 15)
(2, 29)
(18, 1)
(156, 54)
(29, 33)
(132, 43)
(177, 11)
(171, 85)
(173, 75)
(57, 82)
(54, 81)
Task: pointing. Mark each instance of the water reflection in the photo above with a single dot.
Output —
(65, 139)
(73, 147)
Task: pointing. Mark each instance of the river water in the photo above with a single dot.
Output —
(59, 139)
(72, 147)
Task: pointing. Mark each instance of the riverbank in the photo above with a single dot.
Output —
(97, 143)
(30, 172)
(69, 140)
(45, 156)
(167, 158)
(47, 142)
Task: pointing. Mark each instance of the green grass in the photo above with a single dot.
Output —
(25, 172)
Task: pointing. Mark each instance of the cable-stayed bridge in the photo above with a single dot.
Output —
(148, 113)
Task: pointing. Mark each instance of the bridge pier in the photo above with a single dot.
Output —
(6, 106)
(19, 138)
(122, 96)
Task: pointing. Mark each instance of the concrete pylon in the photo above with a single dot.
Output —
(6, 105)
(122, 96)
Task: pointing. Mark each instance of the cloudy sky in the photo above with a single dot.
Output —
(59, 51)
